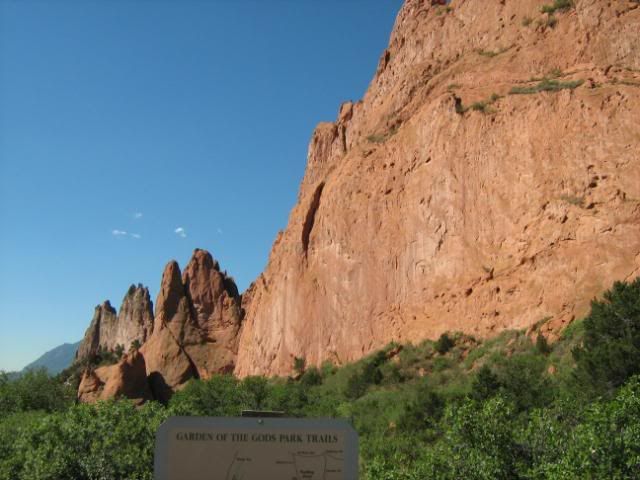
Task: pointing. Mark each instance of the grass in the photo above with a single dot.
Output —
(491, 53)
(573, 200)
(526, 21)
(557, 5)
(546, 85)
(483, 106)
(382, 137)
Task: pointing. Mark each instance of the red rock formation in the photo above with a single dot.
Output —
(196, 326)
(126, 379)
(107, 330)
(418, 214)
(438, 202)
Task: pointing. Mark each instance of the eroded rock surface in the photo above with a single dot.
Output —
(109, 330)
(443, 202)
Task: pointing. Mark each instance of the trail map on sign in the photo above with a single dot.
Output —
(255, 449)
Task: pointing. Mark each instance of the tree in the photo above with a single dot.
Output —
(485, 385)
(444, 344)
(219, 396)
(299, 364)
(610, 353)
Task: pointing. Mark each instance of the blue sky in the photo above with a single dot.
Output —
(148, 117)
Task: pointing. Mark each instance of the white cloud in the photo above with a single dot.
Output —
(180, 232)
(137, 236)
(118, 233)
(219, 231)
(137, 215)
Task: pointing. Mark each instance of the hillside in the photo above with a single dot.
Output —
(55, 360)
(489, 180)
(458, 407)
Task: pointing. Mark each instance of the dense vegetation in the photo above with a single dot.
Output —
(514, 407)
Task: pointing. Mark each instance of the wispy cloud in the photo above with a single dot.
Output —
(137, 215)
(122, 234)
(219, 230)
(180, 232)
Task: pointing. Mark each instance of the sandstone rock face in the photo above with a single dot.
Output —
(196, 327)
(440, 202)
(108, 330)
(103, 314)
(126, 379)
(418, 214)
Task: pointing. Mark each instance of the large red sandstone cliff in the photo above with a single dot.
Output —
(417, 215)
(440, 201)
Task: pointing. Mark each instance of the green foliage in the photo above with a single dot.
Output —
(557, 5)
(299, 365)
(221, 395)
(542, 346)
(369, 374)
(449, 409)
(424, 411)
(483, 106)
(383, 137)
(106, 441)
(444, 344)
(524, 382)
(610, 352)
(311, 377)
(34, 390)
(546, 85)
(480, 442)
(485, 385)
(255, 391)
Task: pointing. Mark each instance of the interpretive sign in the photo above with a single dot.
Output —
(206, 448)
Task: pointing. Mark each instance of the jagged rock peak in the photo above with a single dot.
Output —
(106, 307)
(110, 330)
(204, 270)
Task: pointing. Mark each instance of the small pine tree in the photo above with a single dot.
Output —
(444, 344)
(299, 364)
(485, 385)
(542, 346)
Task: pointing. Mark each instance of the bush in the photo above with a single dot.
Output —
(299, 364)
(87, 442)
(542, 346)
(219, 396)
(423, 412)
(485, 385)
(311, 377)
(546, 85)
(610, 353)
(557, 5)
(444, 344)
(34, 390)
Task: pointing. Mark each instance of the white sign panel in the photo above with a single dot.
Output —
(206, 448)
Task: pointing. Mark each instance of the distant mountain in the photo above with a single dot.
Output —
(56, 360)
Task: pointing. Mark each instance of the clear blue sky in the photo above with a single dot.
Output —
(146, 117)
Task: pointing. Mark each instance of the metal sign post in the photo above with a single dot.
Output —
(211, 448)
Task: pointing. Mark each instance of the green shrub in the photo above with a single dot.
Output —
(299, 364)
(444, 344)
(610, 353)
(219, 396)
(546, 85)
(557, 5)
(542, 346)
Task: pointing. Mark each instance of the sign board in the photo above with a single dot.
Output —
(207, 448)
